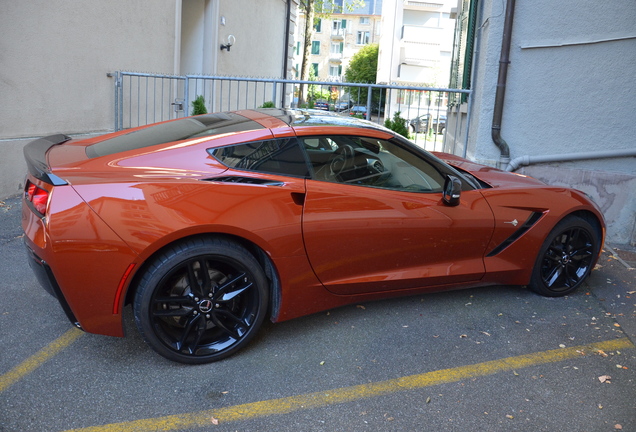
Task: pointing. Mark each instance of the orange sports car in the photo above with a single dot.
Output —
(208, 225)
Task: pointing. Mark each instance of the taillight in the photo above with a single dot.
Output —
(38, 197)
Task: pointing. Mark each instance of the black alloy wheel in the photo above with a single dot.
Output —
(201, 301)
(566, 257)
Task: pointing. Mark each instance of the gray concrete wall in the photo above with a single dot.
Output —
(570, 89)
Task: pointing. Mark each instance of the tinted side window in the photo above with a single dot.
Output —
(279, 156)
(370, 162)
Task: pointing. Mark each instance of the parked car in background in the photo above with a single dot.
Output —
(342, 106)
(321, 105)
(358, 110)
(421, 124)
(209, 225)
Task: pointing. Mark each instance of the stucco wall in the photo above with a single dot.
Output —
(55, 56)
(570, 89)
(253, 24)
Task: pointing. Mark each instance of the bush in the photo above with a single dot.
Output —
(398, 125)
(198, 106)
(268, 104)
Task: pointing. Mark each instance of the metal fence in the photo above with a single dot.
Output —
(433, 120)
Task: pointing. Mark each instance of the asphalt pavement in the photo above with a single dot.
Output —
(489, 359)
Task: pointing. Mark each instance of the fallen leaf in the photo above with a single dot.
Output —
(486, 333)
(214, 421)
(604, 378)
(618, 427)
(617, 325)
(600, 406)
(508, 416)
(463, 336)
(428, 399)
(602, 353)
(224, 392)
(322, 363)
(360, 307)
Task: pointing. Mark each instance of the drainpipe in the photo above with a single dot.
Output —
(528, 160)
(504, 60)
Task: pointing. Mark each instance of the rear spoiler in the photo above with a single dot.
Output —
(35, 156)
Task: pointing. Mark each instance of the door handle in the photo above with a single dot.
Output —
(298, 197)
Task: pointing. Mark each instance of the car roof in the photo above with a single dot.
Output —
(210, 125)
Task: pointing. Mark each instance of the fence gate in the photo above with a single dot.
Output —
(435, 119)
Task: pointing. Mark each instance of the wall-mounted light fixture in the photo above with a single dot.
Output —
(230, 41)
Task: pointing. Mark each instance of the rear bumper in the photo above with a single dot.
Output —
(47, 280)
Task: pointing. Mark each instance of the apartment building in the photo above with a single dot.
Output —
(415, 50)
(337, 38)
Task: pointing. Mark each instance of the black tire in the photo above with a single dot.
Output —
(195, 317)
(566, 257)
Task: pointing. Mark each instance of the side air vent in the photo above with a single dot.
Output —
(533, 219)
(245, 180)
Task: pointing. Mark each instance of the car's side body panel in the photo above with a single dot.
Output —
(351, 231)
(78, 246)
(513, 264)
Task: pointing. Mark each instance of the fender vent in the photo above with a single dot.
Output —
(533, 219)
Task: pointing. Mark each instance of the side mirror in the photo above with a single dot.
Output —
(452, 191)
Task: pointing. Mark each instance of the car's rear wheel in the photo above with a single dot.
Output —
(201, 300)
(566, 257)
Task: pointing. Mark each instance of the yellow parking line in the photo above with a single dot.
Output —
(348, 394)
(33, 362)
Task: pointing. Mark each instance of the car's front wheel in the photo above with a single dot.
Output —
(201, 300)
(566, 257)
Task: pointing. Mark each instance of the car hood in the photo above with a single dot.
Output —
(492, 176)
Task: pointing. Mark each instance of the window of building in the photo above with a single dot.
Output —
(314, 66)
(297, 48)
(336, 47)
(315, 47)
(364, 20)
(317, 25)
(339, 26)
(363, 38)
(335, 70)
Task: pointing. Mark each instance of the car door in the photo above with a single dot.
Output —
(377, 222)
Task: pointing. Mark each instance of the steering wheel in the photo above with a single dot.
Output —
(342, 160)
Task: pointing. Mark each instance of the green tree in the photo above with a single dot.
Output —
(363, 68)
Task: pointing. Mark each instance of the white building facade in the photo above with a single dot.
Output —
(415, 50)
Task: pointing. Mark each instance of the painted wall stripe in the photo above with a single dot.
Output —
(348, 394)
(36, 360)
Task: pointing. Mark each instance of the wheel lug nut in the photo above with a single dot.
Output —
(210, 295)
(196, 313)
(217, 305)
(207, 316)
(196, 299)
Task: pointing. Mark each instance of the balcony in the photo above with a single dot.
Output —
(338, 34)
(423, 5)
(414, 33)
